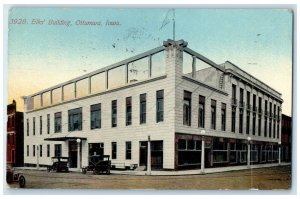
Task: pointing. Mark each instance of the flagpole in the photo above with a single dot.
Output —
(174, 24)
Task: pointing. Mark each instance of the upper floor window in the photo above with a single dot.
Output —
(241, 97)
(160, 106)
(223, 117)
(41, 125)
(233, 91)
(33, 125)
(201, 118)
(187, 108)
(48, 123)
(27, 127)
(213, 114)
(128, 110)
(114, 113)
(143, 108)
(75, 119)
(254, 103)
(57, 122)
(96, 116)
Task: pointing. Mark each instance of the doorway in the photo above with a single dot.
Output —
(73, 154)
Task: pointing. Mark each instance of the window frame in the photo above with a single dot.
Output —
(143, 104)
(159, 106)
(95, 109)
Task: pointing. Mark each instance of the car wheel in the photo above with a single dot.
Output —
(22, 181)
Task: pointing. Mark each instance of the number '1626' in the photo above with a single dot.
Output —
(17, 21)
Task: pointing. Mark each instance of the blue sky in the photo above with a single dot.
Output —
(257, 40)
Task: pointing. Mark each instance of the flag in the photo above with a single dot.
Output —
(169, 16)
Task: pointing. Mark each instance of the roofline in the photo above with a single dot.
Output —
(109, 67)
(252, 77)
(201, 57)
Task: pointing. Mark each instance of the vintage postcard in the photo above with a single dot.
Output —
(149, 98)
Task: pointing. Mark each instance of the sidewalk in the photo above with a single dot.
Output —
(176, 173)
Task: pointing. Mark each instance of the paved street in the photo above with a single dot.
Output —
(262, 178)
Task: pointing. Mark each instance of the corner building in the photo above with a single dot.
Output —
(189, 107)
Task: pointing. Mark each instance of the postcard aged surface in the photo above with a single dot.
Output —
(123, 98)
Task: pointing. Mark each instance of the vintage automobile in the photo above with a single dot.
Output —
(59, 164)
(98, 164)
(12, 177)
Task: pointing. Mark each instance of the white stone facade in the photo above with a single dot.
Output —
(174, 83)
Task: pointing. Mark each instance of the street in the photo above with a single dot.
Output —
(262, 179)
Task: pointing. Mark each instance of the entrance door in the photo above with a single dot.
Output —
(143, 153)
(73, 154)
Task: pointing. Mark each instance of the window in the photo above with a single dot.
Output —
(27, 150)
(274, 122)
(113, 150)
(259, 125)
(241, 97)
(248, 123)
(128, 150)
(41, 150)
(213, 114)
(241, 121)
(160, 106)
(270, 127)
(201, 122)
(143, 108)
(57, 150)
(187, 108)
(128, 111)
(223, 116)
(96, 116)
(233, 118)
(33, 151)
(254, 103)
(27, 127)
(265, 129)
(259, 105)
(75, 119)
(48, 150)
(248, 100)
(114, 113)
(48, 123)
(234, 95)
(57, 122)
(41, 125)
(33, 124)
(253, 123)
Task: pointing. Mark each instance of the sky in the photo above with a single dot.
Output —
(40, 55)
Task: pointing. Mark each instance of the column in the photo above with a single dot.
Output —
(202, 155)
(149, 157)
(78, 154)
(248, 152)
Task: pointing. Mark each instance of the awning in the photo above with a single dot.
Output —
(64, 138)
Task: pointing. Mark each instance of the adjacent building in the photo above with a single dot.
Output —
(14, 136)
(195, 114)
(286, 138)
